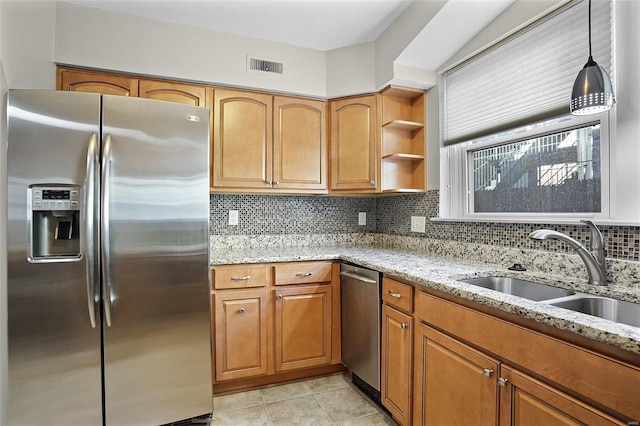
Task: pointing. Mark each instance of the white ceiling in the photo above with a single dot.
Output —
(321, 24)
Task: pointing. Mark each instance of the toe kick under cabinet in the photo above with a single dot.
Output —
(274, 322)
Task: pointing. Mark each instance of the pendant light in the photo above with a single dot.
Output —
(592, 92)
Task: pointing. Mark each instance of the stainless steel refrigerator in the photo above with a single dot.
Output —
(108, 288)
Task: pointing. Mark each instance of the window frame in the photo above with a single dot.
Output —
(456, 197)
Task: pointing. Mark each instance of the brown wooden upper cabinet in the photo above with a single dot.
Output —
(242, 140)
(189, 94)
(354, 145)
(70, 79)
(88, 81)
(268, 143)
(299, 144)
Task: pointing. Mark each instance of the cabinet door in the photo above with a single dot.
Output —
(240, 334)
(525, 401)
(106, 84)
(300, 144)
(354, 144)
(303, 326)
(242, 140)
(454, 384)
(189, 94)
(397, 371)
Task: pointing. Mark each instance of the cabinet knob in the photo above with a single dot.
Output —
(372, 182)
(487, 372)
(280, 297)
(302, 275)
(502, 382)
(404, 325)
(241, 310)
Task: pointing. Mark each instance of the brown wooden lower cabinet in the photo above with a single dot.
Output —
(303, 326)
(274, 323)
(525, 401)
(240, 334)
(456, 381)
(454, 384)
(397, 371)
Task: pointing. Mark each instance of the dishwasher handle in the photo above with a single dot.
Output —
(358, 277)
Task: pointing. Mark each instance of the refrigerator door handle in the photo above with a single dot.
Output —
(104, 230)
(89, 204)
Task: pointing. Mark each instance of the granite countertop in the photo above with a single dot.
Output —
(443, 274)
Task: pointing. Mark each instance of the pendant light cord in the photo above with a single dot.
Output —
(590, 30)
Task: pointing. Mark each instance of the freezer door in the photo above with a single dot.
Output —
(155, 214)
(53, 318)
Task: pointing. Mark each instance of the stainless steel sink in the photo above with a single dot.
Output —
(603, 307)
(527, 289)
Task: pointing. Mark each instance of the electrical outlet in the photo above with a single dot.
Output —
(233, 217)
(362, 218)
(418, 224)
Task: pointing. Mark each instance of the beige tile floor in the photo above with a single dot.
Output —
(331, 400)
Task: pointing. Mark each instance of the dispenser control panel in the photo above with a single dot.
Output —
(54, 198)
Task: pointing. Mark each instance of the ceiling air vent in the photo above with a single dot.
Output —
(262, 65)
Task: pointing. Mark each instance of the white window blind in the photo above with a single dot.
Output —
(527, 78)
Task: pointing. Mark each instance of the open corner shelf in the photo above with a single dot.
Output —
(403, 125)
(401, 156)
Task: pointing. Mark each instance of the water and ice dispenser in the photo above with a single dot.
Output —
(55, 222)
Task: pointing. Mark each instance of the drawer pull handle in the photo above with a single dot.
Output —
(404, 325)
(392, 294)
(247, 278)
(242, 310)
(302, 275)
(487, 372)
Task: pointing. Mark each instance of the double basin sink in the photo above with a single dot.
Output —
(602, 307)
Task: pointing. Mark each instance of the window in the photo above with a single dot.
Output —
(510, 149)
(559, 172)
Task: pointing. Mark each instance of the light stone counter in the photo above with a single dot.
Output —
(444, 273)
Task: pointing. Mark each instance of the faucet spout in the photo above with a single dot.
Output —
(596, 242)
(596, 268)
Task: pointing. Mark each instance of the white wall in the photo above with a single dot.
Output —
(400, 33)
(351, 70)
(27, 48)
(95, 38)
(626, 139)
(519, 14)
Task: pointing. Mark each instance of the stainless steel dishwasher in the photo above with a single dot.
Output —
(360, 320)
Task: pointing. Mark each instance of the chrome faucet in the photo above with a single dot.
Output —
(594, 260)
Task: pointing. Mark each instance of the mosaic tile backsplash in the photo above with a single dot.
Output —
(296, 215)
(313, 215)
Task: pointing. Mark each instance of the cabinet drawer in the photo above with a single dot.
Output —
(395, 293)
(303, 273)
(245, 276)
